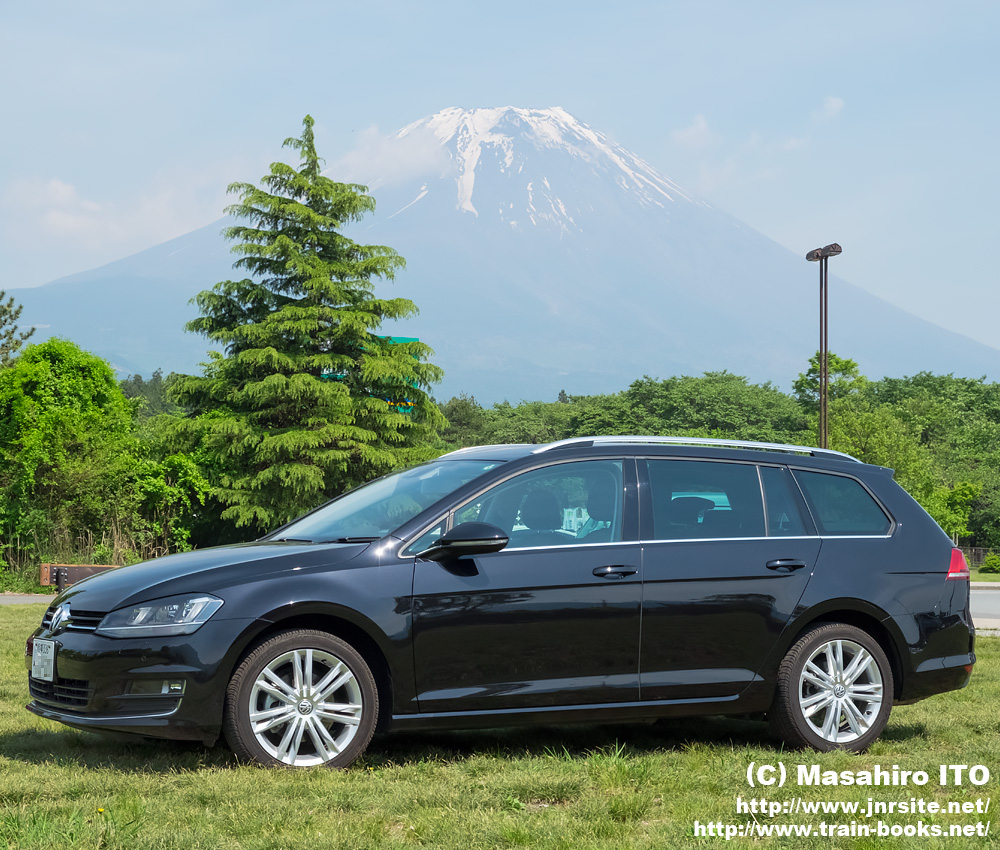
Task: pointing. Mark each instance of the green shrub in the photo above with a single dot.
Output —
(80, 482)
(991, 563)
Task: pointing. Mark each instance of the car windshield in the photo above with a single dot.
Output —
(374, 509)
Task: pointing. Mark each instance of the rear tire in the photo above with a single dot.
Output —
(301, 699)
(834, 690)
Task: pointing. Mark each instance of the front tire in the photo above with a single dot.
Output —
(301, 699)
(834, 690)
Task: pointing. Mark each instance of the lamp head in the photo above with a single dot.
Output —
(830, 250)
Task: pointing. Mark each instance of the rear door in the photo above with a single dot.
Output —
(727, 554)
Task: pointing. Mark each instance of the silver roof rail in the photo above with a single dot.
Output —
(471, 449)
(697, 441)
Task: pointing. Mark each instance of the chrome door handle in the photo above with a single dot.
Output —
(787, 564)
(615, 571)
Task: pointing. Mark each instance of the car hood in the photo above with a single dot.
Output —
(202, 571)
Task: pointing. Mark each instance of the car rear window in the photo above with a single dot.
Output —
(842, 506)
(705, 499)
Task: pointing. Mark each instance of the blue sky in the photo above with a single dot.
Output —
(873, 124)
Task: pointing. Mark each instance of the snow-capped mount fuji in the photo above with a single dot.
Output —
(543, 256)
(522, 145)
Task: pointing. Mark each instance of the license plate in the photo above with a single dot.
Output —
(43, 660)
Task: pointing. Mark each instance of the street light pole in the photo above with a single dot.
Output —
(823, 255)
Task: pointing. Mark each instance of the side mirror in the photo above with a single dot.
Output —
(467, 538)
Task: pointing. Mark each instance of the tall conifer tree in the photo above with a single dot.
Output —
(308, 398)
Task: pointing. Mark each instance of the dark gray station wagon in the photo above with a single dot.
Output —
(605, 578)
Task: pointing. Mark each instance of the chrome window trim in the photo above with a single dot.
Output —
(772, 539)
(560, 546)
(711, 539)
(856, 536)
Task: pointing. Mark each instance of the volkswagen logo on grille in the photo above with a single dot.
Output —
(59, 618)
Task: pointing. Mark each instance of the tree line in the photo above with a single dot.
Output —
(306, 398)
(940, 433)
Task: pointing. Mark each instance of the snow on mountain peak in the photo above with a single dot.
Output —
(517, 139)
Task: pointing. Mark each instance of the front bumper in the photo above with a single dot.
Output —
(113, 685)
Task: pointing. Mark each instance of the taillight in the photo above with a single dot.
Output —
(958, 569)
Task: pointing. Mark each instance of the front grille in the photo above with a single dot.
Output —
(70, 692)
(84, 621)
(79, 621)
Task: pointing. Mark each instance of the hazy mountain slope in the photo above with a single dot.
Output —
(543, 257)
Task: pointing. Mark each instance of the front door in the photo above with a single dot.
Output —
(551, 620)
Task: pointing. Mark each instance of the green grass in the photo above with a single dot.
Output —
(569, 787)
(978, 576)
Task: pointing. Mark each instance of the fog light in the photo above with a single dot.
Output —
(173, 687)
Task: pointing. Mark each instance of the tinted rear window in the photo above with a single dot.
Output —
(702, 499)
(842, 506)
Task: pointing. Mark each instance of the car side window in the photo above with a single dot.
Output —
(703, 499)
(563, 504)
(784, 519)
(841, 506)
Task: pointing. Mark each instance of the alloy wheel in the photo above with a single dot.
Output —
(305, 707)
(840, 691)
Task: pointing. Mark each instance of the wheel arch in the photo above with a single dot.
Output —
(869, 618)
(342, 623)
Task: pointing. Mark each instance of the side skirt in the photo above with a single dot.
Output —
(754, 699)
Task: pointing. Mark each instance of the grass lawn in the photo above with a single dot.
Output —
(978, 576)
(567, 787)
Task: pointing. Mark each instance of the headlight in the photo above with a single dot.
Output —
(175, 615)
